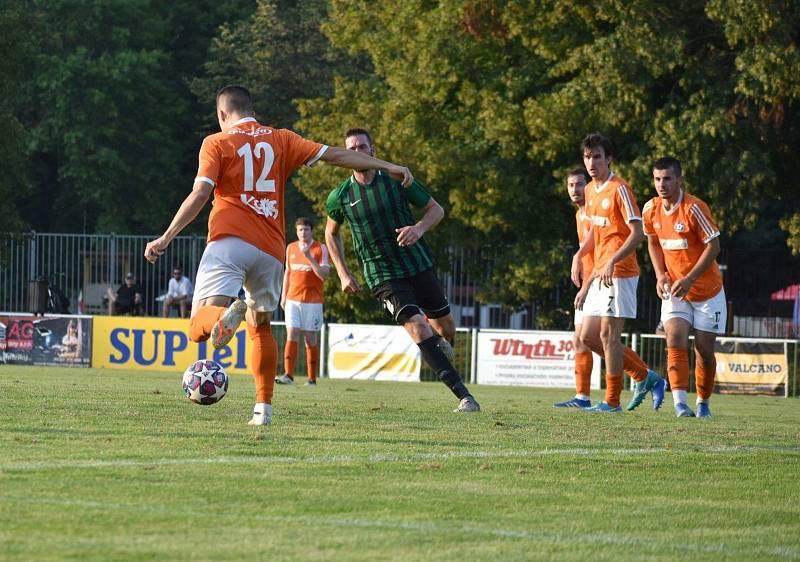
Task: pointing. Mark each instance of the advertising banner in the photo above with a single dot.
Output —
(543, 359)
(160, 344)
(384, 353)
(46, 340)
(751, 367)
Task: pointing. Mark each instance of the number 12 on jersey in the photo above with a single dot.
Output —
(262, 150)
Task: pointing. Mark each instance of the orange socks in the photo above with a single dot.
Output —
(613, 389)
(264, 361)
(289, 358)
(633, 365)
(312, 361)
(704, 379)
(203, 321)
(583, 372)
(678, 368)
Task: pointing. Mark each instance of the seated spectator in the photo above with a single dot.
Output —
(128, 299)
(179, 293)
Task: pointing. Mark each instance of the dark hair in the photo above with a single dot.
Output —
(579, 172)
(358, 131)
(235, 99)
(595, 140)
(304, 221)
(668, 162)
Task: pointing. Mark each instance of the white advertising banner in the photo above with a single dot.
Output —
(521, 358)
(383, 353)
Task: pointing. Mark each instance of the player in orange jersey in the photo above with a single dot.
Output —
(306, 269)
(246, 166)
(610, 295)
(576, 184)
(683, 243)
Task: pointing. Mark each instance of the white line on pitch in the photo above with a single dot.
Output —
(387, 458)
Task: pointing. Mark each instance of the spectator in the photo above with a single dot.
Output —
(128, 298)
(179, 293)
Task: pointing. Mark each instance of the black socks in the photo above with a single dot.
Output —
(438, 361)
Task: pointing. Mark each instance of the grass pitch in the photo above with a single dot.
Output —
(113, 465)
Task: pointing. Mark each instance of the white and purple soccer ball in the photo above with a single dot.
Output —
(205, 382)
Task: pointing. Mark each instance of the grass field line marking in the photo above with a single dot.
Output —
(385, 458)
(558, 538)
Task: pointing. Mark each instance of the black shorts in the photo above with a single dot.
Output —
(418, 294)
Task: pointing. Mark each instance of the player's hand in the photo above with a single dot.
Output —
(681, 287)
(663, 287)
(305, 248)
(283, 304)
(408, 235)
(576, 271)
(155, 249)
(401, 173)
(580, 298)
(349, 283)
(607, 274)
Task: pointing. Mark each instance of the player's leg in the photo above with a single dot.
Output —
(262, 287)
(293, 333)
(710, 319)
(312, 356)
(583, 369)
(433, 303)
(677, 323)
(399, 298)
(216, 310)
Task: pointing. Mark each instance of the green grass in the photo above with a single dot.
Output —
(113, 465)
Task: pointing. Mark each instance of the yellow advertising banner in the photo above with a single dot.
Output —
(751, 367)
(160, 344)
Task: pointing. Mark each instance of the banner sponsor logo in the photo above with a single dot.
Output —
(160, 344)
(45, 340)
(543, 359)
(372, 352)
(751, 367)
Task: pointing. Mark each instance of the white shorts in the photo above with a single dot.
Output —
(579, 314)
(306, 316)
(231, 263)
(707, 316)
(616, 301)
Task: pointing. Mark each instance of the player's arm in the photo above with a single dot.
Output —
(432, 215)
(354, 160)
(682, 286)
(285, 289)
(634, 238)
(333, 239)
(321, 270)
(576, 270)
(187, 212)
(659, 265)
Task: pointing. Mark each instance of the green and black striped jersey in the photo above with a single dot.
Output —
(373, 212)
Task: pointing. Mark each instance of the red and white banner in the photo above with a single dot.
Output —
(544, 359)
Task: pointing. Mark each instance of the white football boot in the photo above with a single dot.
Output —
(228, 323)
(262, 415)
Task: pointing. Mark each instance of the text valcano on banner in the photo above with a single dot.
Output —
(544, 359)
(751, 367)
(385, 353)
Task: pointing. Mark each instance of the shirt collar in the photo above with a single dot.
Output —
(244, 120)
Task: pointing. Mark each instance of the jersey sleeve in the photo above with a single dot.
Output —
(300, 151)
(627, 204)
(702, 223)
(647, 218)
(333, 207)
(417, 194)
(209, 166)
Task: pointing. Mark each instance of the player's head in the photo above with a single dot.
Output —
(597, 152)
(576, 183)
(667, 178)
(359, 140)
(233, 103)
(303, 228)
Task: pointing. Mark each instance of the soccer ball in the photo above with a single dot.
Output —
(205, 382)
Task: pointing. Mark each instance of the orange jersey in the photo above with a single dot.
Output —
(248, 166)
(583, 223)
(683, 233)
(611, 206)
(304, 284)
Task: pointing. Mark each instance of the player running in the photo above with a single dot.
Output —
(683, 243)
(246, 166)
(610, 295)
